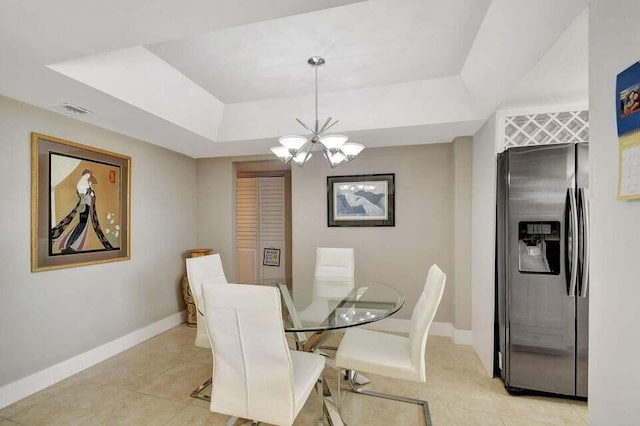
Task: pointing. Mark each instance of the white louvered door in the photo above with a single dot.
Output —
(247, 229)
(271, 231)
(260, 224)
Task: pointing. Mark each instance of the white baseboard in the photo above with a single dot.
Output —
(31, 384)
(462, 337)
(441, 329)
(391, 325)
(394, 325)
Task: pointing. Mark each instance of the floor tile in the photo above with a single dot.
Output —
(151, 383)
(196, 416)
(137, 409)
(39, 397)
(178, 382)
(519, 421)
(581, 408)
(465, 417)
(72, 406)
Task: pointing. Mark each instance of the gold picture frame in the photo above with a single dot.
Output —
(80, 204)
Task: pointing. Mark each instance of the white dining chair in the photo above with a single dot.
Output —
(335, 263)
(255, 375)
(333, 280)
(203, 270)
(393, 356)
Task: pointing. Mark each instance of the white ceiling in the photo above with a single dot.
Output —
(366, 44)
(561, 77)
(213, 77)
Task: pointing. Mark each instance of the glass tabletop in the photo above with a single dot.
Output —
(331, 304)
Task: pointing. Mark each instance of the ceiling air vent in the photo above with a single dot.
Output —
(71, 109)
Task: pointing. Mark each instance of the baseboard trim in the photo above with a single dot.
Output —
(31, 384)
(394, 325)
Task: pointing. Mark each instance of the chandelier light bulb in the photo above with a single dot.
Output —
(333, 142)
(292, 142)
(336, 159)
(351, 149)
(282, 153)
(301, 158)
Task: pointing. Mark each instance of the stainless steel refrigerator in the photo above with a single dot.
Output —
(542, 268)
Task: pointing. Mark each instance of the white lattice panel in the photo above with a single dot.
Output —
(546, 128)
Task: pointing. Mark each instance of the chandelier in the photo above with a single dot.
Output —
(335, 148)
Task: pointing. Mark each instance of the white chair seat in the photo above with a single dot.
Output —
(307, 367)
(395, 356)
(378, 353)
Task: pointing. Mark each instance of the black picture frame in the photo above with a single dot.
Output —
(271, 257)
(360, 214)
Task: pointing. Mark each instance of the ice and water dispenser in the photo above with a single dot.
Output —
(539, 247)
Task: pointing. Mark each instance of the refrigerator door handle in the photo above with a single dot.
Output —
(573, 264)
(584, 210)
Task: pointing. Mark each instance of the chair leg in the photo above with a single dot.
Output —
(328, 348)
(355, 388)
(338, 396)
(197, 391)
(320, 392)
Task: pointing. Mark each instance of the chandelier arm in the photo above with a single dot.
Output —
(306, 127)
(327, 154)
(306, 157)
(308, 146)
(324, 126)
(330, 126)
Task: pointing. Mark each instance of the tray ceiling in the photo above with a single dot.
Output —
(212, 77)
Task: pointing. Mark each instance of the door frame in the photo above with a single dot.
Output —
(266, 168)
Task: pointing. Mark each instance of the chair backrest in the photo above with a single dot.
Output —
(335, 263)
(203, 270)
(422, 317)
(335, 271)
(252, 370)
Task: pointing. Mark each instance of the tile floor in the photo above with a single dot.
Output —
(150, 385)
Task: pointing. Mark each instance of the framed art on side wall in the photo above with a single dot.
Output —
(361, 200)
(80, 204)
(271, 257)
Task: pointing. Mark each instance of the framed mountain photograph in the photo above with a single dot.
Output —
(361, 200)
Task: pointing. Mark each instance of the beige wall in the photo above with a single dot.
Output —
(48, 317)
(427, 196)
(462, 159)
(216, 201)
(399, 256)
(216, 206)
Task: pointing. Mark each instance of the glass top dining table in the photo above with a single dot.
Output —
(329, 304)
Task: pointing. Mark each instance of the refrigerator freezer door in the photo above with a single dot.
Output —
(502, 330)
(582, 302)
(541, 313)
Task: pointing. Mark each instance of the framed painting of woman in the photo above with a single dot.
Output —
(80, 204)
